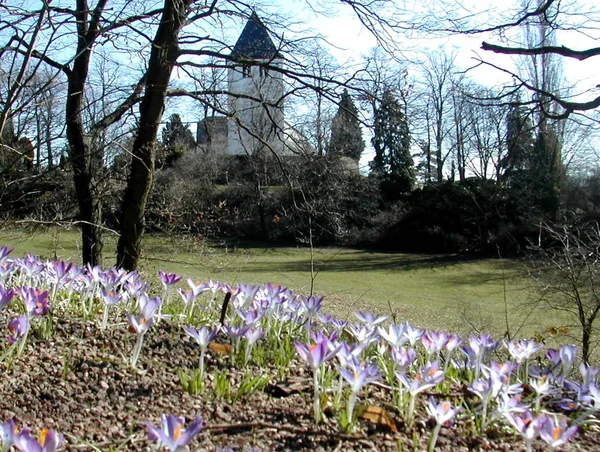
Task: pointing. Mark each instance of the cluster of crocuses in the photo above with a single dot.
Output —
(512, 393)
(407, 361)
(172, 434)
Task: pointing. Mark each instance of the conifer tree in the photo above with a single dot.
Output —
(393, 163)
(177, 140)
(346, 135)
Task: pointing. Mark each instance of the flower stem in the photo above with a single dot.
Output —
(137, 349)
(434, 436)
(201, 365)
(105, 317)
(317, 396)
(23, 341)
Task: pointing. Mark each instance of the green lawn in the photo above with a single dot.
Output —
(436, 291)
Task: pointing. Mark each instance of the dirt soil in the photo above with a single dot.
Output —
(80, 383)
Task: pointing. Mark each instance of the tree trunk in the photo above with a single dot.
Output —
(586, 338)
(79, 147)
(164, 53)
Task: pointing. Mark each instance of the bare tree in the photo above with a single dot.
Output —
(566, 267)
(437, 91)
(68, 41)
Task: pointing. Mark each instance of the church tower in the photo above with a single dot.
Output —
(257, 123)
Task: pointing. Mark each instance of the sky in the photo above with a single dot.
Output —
(348, 40)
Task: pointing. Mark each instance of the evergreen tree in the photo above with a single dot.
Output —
(346, 135)
(519, 142)
(393, 163)
(177, 140)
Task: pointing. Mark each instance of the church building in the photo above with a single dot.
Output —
(256, 84)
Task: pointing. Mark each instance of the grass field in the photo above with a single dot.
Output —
(435, 291)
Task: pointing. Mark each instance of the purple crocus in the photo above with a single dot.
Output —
(556, 434)
(394, 334)
(8, 432)
(252, 337)
(168, 279)
(363, 334)
(358, 375)
(4, 252)
(197, 289)
(172, 433)
(142, 322)
(443, 414)
(370, 319)
(427, 377)
(412, 334)
(203, 337)
(526, 425)
(17, 328)
(47, 441)
(315, 355)
(5, 296)
(434, 342)
(36, 301)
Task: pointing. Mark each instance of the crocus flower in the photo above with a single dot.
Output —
(110, 297)
(4, 252)
(197, 289)
(172, 433)
(567, 354)
(427, 377)
(403, 358)
(511, 404)
(36, 301)
(526, 425)
(8, 432)
(370, 319)
(244, 295)
(522, 350)
(412, 334)
(168, 279)
(479, 347)
(542, 387)
(141, 323)
(17, 328)
(442, 413)
(556, 434)
(434, 342)
(5, 296)
(394, 335)
(31, 267)
(252, 336)
(250, 318)
(487, 390)
(358, 375)
(363, 334)
(47, 441)
(203, 337)
(315, 355)
(588, 374)
(236, 333)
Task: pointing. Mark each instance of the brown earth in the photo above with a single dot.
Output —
(80, 384)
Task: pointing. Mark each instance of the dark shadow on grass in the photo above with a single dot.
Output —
(355, 261)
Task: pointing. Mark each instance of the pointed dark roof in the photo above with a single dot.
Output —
(254, 43)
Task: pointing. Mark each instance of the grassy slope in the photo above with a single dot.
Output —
(435, 291)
